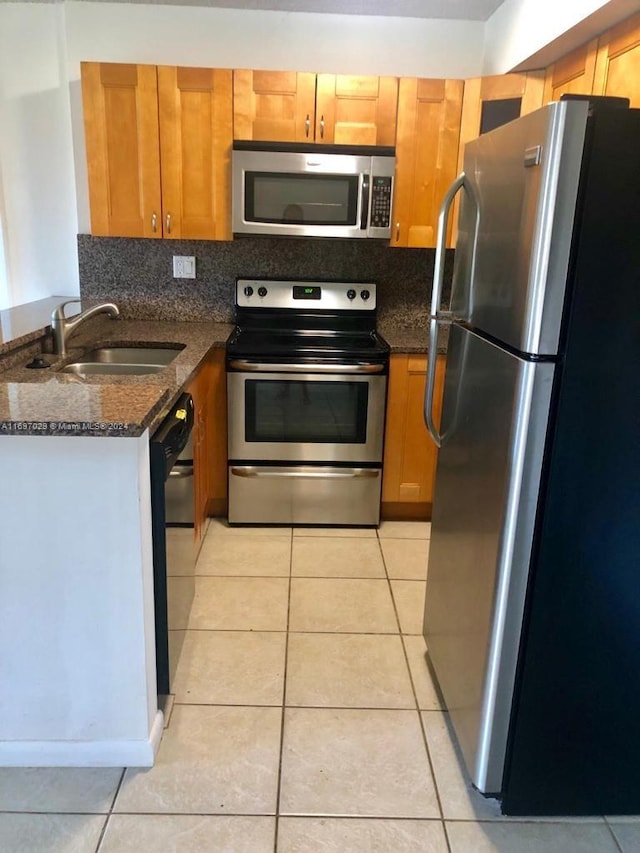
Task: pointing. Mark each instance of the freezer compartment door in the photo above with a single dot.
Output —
(494, 421)
(515, 227)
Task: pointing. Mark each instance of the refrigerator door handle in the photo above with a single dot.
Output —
(436, 296)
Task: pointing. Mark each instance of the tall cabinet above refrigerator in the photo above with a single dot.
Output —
(532, 614)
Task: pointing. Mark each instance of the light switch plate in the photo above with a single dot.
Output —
(184, 266)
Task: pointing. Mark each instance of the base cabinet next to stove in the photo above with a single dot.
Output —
(409, 452)
(208, 389)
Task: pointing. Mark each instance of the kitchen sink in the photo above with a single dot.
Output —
(132, 361)
(93, 368)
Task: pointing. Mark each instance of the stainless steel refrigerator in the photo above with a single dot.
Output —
(532, 613)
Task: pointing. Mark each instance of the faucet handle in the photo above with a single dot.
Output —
(58, 311)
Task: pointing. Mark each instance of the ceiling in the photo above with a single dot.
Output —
(470, 10)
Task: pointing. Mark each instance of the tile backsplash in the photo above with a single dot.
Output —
(137, 274)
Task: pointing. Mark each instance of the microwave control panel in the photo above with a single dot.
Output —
(381, 202)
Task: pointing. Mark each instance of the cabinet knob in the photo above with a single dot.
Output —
(307, 126)
(154, 223)
(397, 231)
(321, 127)
(168, 223)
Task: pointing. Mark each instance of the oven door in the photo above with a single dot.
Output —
(301, 416)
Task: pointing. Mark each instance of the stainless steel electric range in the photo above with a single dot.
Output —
(306, 383)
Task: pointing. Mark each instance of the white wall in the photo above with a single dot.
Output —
(520, 28)
(36, 154)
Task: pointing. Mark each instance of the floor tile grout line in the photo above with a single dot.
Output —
(613, 834)
(250, 630)
(111, 808)
(502, 820)
(284, 694)
(417, 708)
(287, 706)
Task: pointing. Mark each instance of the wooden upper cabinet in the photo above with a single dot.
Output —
(426, 156)
(573, 74)
(158, 150)
(617, 70)
(285, 106)
(490, 101)
(355, 110)
(123, 151)
(276, 106)
(196, 132)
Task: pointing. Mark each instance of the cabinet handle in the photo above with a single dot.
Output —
(168, 223)
(397, 231)
(154, 223)
(307, 126)
(321, 127)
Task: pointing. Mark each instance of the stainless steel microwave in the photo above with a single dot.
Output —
(308, 190)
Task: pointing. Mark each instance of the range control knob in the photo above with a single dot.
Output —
(262, 291)
(248, 291)
(351, 294)
(365, 294)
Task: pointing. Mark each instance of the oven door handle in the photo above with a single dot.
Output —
(304, 473)
(261, 367)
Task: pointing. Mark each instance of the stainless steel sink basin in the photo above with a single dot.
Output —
(93, 368)
(131, 355)
(134, 361)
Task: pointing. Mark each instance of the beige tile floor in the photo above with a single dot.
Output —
(304, 720)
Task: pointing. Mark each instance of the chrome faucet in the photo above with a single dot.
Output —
(62, 327)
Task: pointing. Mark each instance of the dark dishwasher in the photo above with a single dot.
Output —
(173, 535)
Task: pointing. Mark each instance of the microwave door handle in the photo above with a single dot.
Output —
(364, 212)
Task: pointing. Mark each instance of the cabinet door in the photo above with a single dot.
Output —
(618, 62)
(355, 110)
(573, 74)
(426, 156)
(196, 133)
(120, 107)
(215, 434)
(410, 455)
(277, 106)
(485, 98)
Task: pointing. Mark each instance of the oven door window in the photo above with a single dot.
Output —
(283, 410)
(299, 199)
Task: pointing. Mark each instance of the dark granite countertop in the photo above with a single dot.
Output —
(412, 340)
(47, 402)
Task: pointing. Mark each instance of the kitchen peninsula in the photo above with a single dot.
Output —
(76, 571)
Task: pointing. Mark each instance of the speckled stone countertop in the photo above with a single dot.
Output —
(47, 402)
(412, 340)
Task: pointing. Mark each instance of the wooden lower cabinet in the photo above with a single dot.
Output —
(208, 389)
(410, 454)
